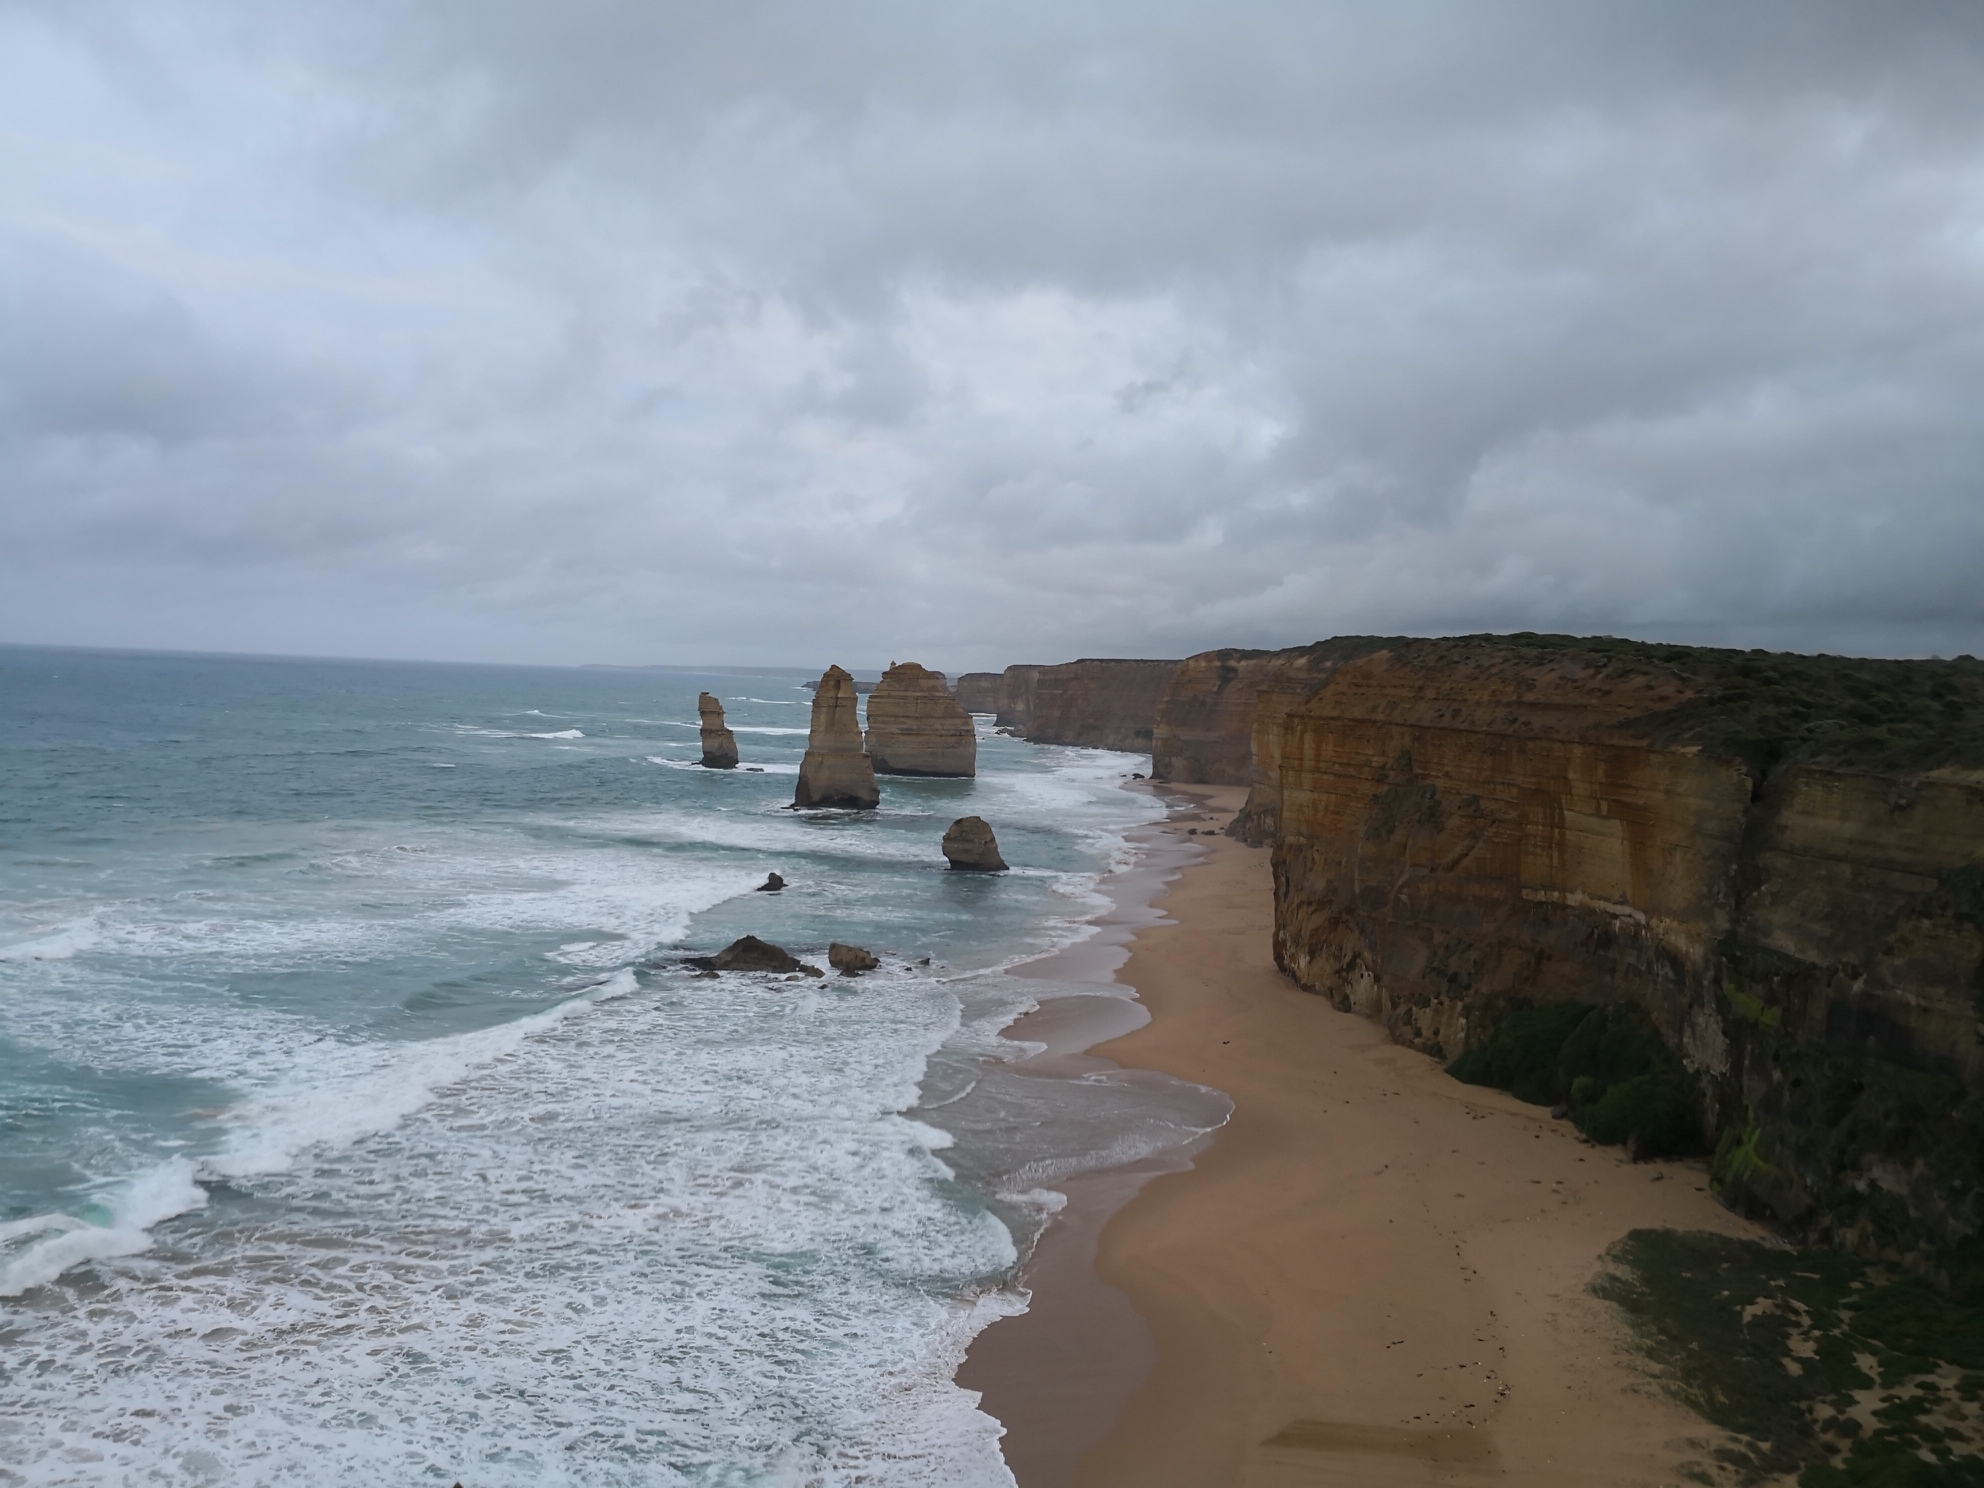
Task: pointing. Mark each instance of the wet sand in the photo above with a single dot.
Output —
(1372, 1275)
(1058, 1375)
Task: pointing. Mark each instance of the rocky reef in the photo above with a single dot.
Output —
(978, 692)
(915, 726)
(1777, 860)
(719, 743)
(1207, 717)
(1097, 703)
(835, 770)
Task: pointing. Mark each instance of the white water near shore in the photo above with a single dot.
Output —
(390, 1144)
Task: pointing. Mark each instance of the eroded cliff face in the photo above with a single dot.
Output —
(1462, 826)
(915, 726)
(836, 771)
(1097, 703)
(978, 692)
(1013, 708)
(1205, 731)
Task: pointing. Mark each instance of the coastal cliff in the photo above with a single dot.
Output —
(1013, 707)
(915, 726)
(1205, 728)
(1779, 860)
(978, 692)
(1097, 703)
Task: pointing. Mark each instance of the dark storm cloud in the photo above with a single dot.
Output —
(621, 332)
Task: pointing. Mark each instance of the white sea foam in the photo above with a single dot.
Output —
(360, 1090)
(81, 935)
(116, 1223)
(665, 1234)
(560, 734)
(544, 1275)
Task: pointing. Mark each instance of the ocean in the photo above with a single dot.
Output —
(359, 1124)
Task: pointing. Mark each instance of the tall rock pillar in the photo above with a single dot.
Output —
(719, 743)
(836, 772)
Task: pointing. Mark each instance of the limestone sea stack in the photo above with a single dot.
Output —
(915, 726)
(971, 847)
(836, 771)
(719, 743)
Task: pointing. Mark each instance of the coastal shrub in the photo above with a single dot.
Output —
(1776, 1345)
(1609, 1064)
(1773, 708)
(1520, 1053)
(1652, 1113)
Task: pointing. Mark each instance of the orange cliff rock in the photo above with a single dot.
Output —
(915, 726)
(978, 692)
(1013, 708)
(835, 770)
(1206, 721)
(1097, 703)
(1780, 859)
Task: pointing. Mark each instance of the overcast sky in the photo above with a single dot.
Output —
(630, 330)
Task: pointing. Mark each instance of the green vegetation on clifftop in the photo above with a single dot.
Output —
(1773, 707)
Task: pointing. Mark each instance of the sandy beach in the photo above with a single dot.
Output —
(1372, 1275)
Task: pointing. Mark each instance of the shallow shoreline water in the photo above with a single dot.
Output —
(1057, 1375)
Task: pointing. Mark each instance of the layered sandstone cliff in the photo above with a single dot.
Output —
(1014, 706)
(1098, 703)
(1780, 860)
(1205, 730)
(978, 692)
(915, 726)
(835, 770)
(719, 743)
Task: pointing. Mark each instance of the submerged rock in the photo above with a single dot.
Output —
(772, 884)
(836, 771)
(748, 954)
(971, 847)
(915, 726)
(850, 960)
(719, 743)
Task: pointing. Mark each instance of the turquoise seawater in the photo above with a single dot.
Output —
(358, 1125)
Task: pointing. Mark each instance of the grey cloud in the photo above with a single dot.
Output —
(641, 332)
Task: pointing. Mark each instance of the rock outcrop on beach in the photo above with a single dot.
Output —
(1097, 703)
(1206, 720)
(836, 771)
(915, 726)
(970, 847)
(719, 743)
(1778, 859)
(978, 692)
(850, 960)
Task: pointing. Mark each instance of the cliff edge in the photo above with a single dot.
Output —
(1778, 859)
